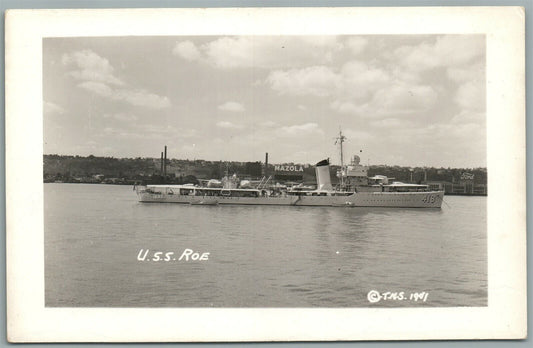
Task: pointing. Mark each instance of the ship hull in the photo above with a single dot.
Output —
(431, 199)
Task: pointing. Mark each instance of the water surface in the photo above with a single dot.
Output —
(259, 256)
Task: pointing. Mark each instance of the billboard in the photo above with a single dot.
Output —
(289, 172)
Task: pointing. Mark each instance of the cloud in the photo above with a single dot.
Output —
(396, 83)
(308, 86)
(346, 107)
(186, 50)
(390, 123)
(354, 80)
(317, 81)
(359, 79)
(462, 57)
(400, 73)
(146, 131)
(466, 73)
(141, 97)
(137, 97)
(96, 74)
(91, 67)
(231, 106)
(229, 125)
(357, 135)
(450, 141)
(269, 52)
(164, 131)
(470, 116)
(445, 51)
(404, 98)
(301, 129)
(52, 108)
(97, 87)
(396, 99)
(118, 132)
(471, 96)
(358, 88)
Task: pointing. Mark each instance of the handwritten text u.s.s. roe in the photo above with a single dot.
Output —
(187, 255)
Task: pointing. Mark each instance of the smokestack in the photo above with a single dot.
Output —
(323, 179)
(165, 166)
(161, 172)
(266, 164)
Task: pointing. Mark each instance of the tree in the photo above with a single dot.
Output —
(190, 179)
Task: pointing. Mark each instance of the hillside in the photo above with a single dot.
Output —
(131, 170)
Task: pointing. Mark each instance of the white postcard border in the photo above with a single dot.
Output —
(30, 321)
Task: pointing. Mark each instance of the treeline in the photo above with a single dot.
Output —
(134, 170)
(92, 169)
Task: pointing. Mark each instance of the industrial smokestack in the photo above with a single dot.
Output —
(266, 164)
(165, 166)
(161, 172)
(323, 179)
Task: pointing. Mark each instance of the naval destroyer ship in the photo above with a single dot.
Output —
(355, 189)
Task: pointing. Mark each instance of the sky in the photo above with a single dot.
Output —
(408, 100)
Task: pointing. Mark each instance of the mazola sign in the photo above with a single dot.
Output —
(288, 168)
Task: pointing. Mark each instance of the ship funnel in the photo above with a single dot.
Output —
(323, 179)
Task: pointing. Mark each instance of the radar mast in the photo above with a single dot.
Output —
(339, 140)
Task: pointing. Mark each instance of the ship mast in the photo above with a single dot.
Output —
(339, 140)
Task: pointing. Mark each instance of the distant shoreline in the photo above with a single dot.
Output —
(131, 171)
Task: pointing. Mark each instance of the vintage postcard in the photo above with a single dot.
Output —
(275, 174)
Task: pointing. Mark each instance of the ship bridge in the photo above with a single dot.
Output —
(354, 174)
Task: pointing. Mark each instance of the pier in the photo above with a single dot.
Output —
(461, 189)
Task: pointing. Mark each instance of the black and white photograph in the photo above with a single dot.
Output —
(258, 171)
(306, 171)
